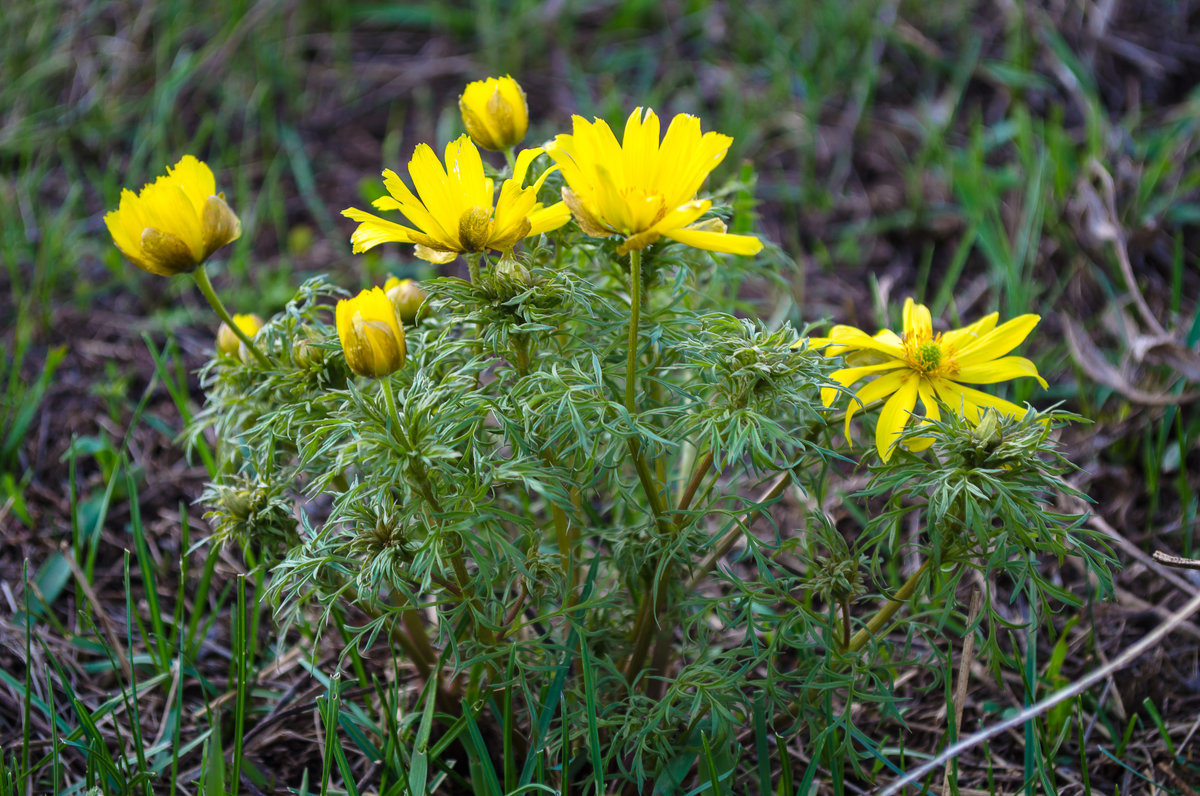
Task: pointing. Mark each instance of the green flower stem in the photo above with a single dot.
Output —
(511, 160)
(635, 316)
(564, 533)
(645, 475)
(445, 702)
(421, 477)
(652, 609)
(520, 346)
(473, 266)
(735, 530)
(889, 609)
(214, 301)
(701, 470)
(422, 647)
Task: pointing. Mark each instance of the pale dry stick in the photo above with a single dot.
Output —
(1100, 524)
(1127, 657)
(1176, 561)
(172, 692)
(109, 629)
(1184, 788)
(964, 675)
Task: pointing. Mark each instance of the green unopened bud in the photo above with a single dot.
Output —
(987, 430)
(228, 343)
(511, 278)
(307, 354)
(408, 298)
(239, 504)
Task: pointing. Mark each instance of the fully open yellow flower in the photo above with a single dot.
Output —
(176, 222)
(917, 364)
(372, 337)
(494, 112)
(454, 209)
(642, 189)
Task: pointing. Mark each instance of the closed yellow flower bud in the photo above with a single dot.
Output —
(494, 112)
(228, 343)
(176, 222)
(372, 337)
(407, 297)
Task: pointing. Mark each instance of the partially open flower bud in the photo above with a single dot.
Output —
(407, 297)
(987, 430)
(176, 222)
(228, 343)
(494, 112)
(371, 335)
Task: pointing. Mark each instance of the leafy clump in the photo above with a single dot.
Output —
(532, 481)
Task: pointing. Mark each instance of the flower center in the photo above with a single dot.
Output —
(927, 357)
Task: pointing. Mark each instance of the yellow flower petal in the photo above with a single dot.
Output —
(546, 219)
(959, 338)
(1001, 369)
(745, 245)
(970, 403)
(998, 341)
(373, 230)
(930, 409)
(847, 337)
(873, 391)
(895, 414)
(847, 376)
(917, 321)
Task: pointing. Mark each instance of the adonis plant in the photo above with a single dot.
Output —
(602, 521)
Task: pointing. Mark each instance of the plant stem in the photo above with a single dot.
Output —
(653, 608)
(888, 610)
(419, 637)
(685, 500)
(520, 345)
(473, 266)
(635, 315)
(845, 604)
(214, 301)
(735, 530)
(421, 477)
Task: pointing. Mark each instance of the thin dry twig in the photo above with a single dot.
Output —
(964, 675)
(1127, 657)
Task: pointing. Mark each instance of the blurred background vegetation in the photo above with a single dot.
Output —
(1019, 156)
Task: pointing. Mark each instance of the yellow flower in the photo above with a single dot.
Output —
(372, 337)
(455, 212)
(917, 364)
(641, 189)
(494, 112)
(407, 297)
(176, 222)
(228, 342)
